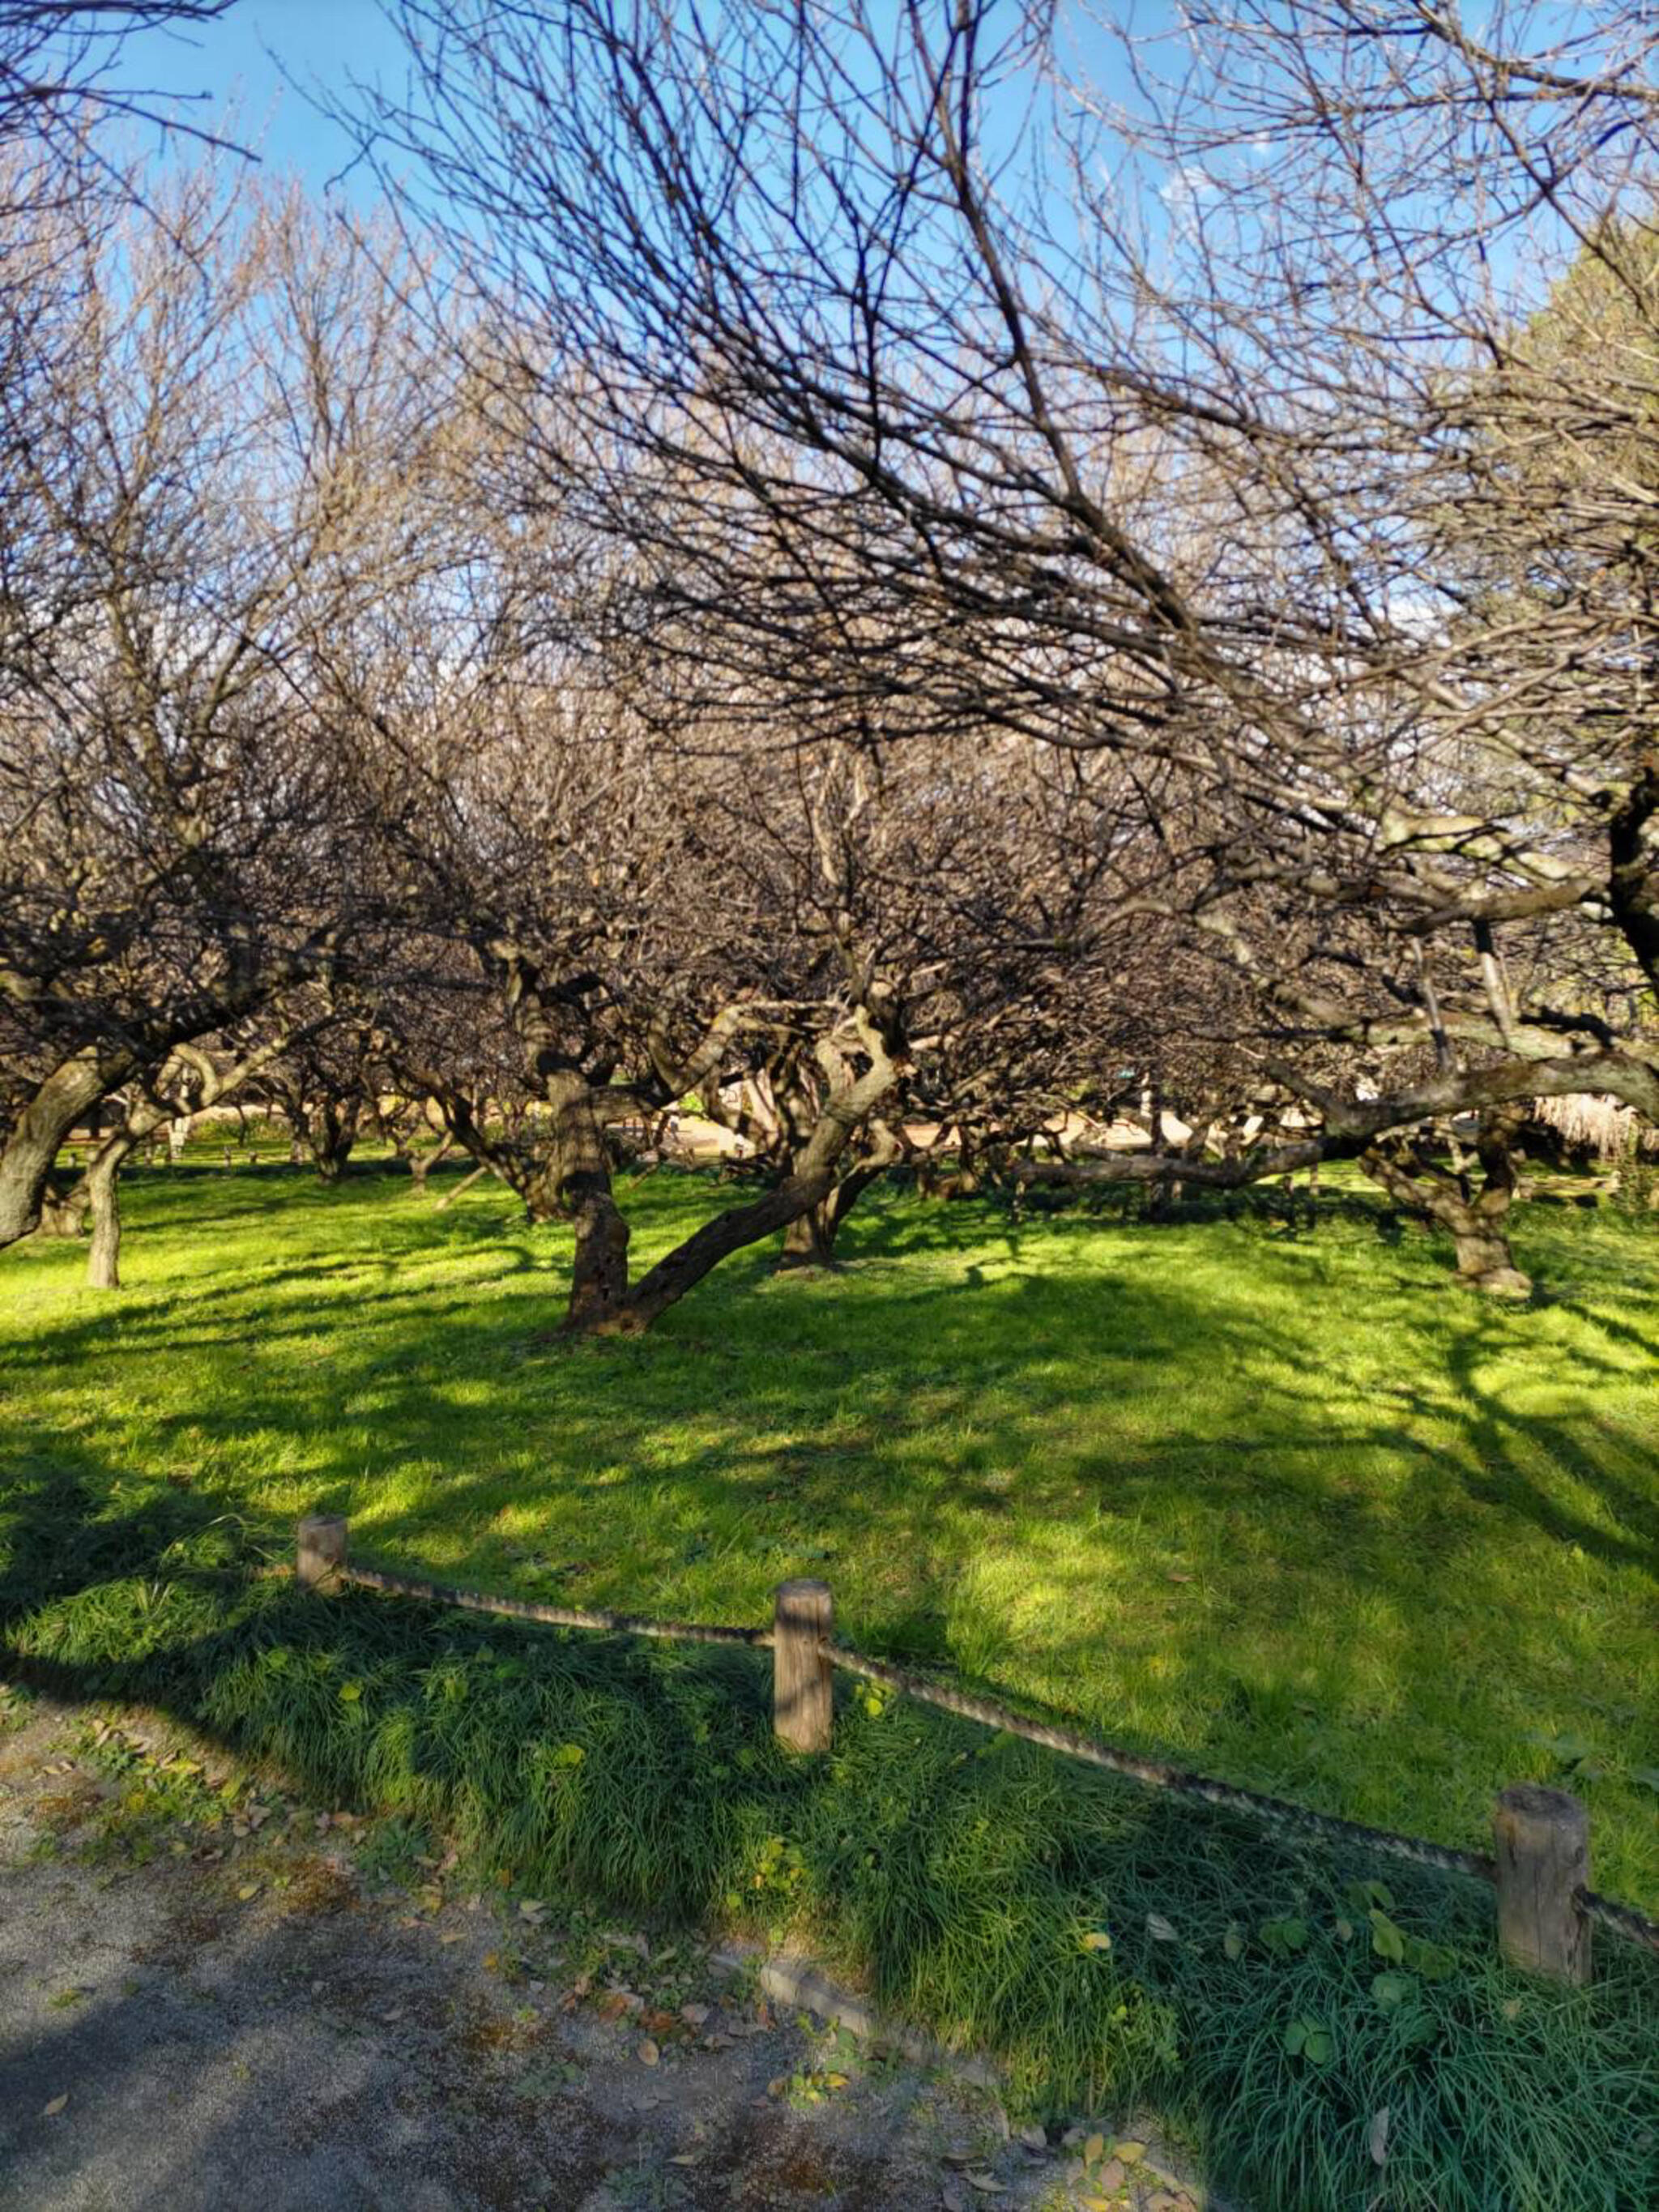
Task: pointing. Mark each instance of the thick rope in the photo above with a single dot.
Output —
(555, 1616)
(1156, 1774)
(1622, 1919)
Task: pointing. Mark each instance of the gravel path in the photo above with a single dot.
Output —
(212, 1995)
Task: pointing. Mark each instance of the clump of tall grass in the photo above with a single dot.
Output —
(1329, 2039)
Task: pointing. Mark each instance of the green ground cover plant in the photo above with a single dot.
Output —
(1273, 1500)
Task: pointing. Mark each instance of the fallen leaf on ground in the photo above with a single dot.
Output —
(648, 2053)
(50, 2111)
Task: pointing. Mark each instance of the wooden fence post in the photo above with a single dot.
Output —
(1543, 1857)
(319, 1550)
(802, 1679)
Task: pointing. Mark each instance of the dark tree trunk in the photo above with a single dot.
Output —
(331, 1133)
(577, 1183)
(1476, 1222)
(810, 1239)
(684, 1267)
(812, 1184)
(32, 1145)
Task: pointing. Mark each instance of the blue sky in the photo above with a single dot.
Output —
(243, 60)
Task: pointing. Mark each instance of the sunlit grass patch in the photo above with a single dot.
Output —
(1288, 1505)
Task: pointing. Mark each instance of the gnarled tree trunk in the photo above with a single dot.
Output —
(64, 1210)
(810, 1239)
(1475, 1220)
(577, 1180)
(330, 1130)
(421, 1164)
(34, 1139)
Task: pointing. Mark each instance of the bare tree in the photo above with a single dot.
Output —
(1178, 430)
(199, 487)
(64, 81)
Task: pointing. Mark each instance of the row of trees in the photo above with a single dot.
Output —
(764, 581)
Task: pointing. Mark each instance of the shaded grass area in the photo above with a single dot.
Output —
(1282, 1504)
(1112, 1946)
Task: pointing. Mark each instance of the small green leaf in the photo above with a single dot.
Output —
(1432, 1960)
(1309, 2039)
(349, 1692)
(1363, 1895)
(1233, 1942)
(1648, 1777)
(1391, 1991)
(1284, 1937)
(1386, 1941)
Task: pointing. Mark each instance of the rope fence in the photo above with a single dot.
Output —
(1540, 1868)
(551, 1616)
(1271, 1811)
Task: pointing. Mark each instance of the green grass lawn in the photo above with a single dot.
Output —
(1283, 1504)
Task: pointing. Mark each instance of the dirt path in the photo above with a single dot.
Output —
(212, 1995)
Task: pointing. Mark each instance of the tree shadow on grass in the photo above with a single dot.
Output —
(1000, 1482)
(962, 1873)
